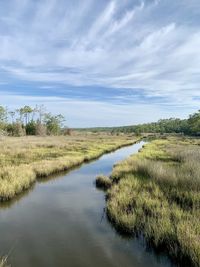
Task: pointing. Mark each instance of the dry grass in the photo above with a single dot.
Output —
(24, 159)
(14, 179)
(157, 193)
(3, 262)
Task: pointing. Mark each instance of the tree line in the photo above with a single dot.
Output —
(190, 126)
(30, 121)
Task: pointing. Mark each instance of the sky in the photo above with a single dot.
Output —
(101, 63)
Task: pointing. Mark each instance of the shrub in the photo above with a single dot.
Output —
(31, 128)
(16, 129)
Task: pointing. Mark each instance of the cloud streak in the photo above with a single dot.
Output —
(100, 113)
(150, 45)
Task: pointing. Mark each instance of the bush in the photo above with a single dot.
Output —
(31, 128)
(16, 129)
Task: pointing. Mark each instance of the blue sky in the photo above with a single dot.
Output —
(101, 63)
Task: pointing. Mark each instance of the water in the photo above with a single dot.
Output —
(61, 223)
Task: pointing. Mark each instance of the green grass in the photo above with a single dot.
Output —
(24, 159)
(157, 193)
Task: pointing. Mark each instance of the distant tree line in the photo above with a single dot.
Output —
(190, 126)
(30, 121)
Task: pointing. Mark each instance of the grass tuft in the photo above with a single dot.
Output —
(103, 182)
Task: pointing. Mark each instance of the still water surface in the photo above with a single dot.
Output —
(61, 223)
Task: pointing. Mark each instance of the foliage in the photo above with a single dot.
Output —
(157, 193)
(16, 129)
(25, 112)
(30, 121)
(189, 126)
(31, 128)
(194, 123)
(3, 114)
(53, 123)
(3, 117)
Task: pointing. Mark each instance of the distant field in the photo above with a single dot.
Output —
(24, 159)
(157, 193)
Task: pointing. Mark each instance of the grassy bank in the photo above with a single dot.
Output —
(157, 193)
(24, 159)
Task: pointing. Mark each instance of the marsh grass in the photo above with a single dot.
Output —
(3, 262)
(25, 159)
(14, 179)
(103, 182)
(157, 193)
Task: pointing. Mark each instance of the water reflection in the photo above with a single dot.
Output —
(9, 203)
(62, 222)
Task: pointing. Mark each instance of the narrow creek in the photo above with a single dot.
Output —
(61, 223)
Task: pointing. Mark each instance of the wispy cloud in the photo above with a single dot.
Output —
(81, 113)
(150, 45)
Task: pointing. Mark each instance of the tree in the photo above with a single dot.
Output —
(3, 114)
(41, 112)
(3, 117)
(20, 111)
(27, 111)
(194, 123)
(34, 111)
(138, 131)
(30, 121)
(12, 115)
(53, 123)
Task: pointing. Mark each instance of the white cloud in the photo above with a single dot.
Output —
(152, 45)
(100, 113)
